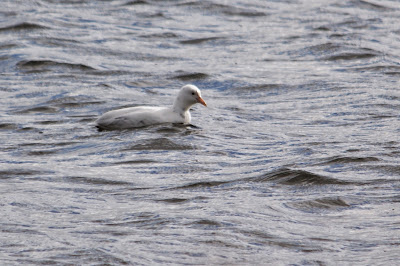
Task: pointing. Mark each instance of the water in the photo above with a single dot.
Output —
(295, 160)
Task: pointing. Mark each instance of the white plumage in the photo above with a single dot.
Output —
(141, 116)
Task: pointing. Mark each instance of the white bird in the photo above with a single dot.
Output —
(141, 116)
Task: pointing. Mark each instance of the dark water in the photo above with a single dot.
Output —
(296, 161)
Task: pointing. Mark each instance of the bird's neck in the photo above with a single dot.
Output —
(180, 107)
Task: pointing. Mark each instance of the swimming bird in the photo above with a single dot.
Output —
(141, 116)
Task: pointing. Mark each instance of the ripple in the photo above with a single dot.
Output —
(259, 87)
(73, 102)
(81, 256)
(133, 162)
(56, 42)
(7, 46)
(136, 2)
(94, 181)
(46, 65)
(369, 5)
(55, 105)
(8, 126)
(293, 147)
(328, 47)
(349, 56)
(16, 229)
(143, 220)
(346, 160)
(388, 169)
(386, 69)
(202, 184)
(224, 9)
(158, 144)
(11, 173)
(337, 51)
(206, 223)
(263, 238)
(24, 26)
(42, 152)
(190, 76)
(163, 35)
(329, 203)
(173, 200)
(39, 109)
(201, 40)
(287, 176)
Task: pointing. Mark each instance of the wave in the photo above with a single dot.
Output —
(73, 101)
(23, 26)
(282, 176)
(173, 200)
(224, 9)
(201, 40)
(11, 173)
(135, 162)
(346, 160)
(136, 2)
(287, 176)
(203, 184)
(38, 109)
(158, 144)
(94, 181)
(259, 87)
(162, 35)
(349, 56)
(8, 126)
(46, 65)
(54, 106)
(268, 239)
(335, 52)
(190, 76)
(385, 69)
(369, 5)
(328, 203)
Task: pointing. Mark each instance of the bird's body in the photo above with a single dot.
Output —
(141, 116)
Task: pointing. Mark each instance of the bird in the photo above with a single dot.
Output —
(142, 116)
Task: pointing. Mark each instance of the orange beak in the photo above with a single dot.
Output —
(200, 100)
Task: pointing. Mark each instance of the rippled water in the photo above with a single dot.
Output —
(295, 161)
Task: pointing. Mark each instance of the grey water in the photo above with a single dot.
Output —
(295, 161)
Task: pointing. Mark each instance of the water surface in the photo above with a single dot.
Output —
(295, 160)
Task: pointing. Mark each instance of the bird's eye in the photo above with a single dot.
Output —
(192, 93)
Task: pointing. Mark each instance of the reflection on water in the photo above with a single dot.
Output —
(295, 160)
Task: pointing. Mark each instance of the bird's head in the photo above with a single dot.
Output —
(189, 95)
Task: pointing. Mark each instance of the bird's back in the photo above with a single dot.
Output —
(137, 117)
